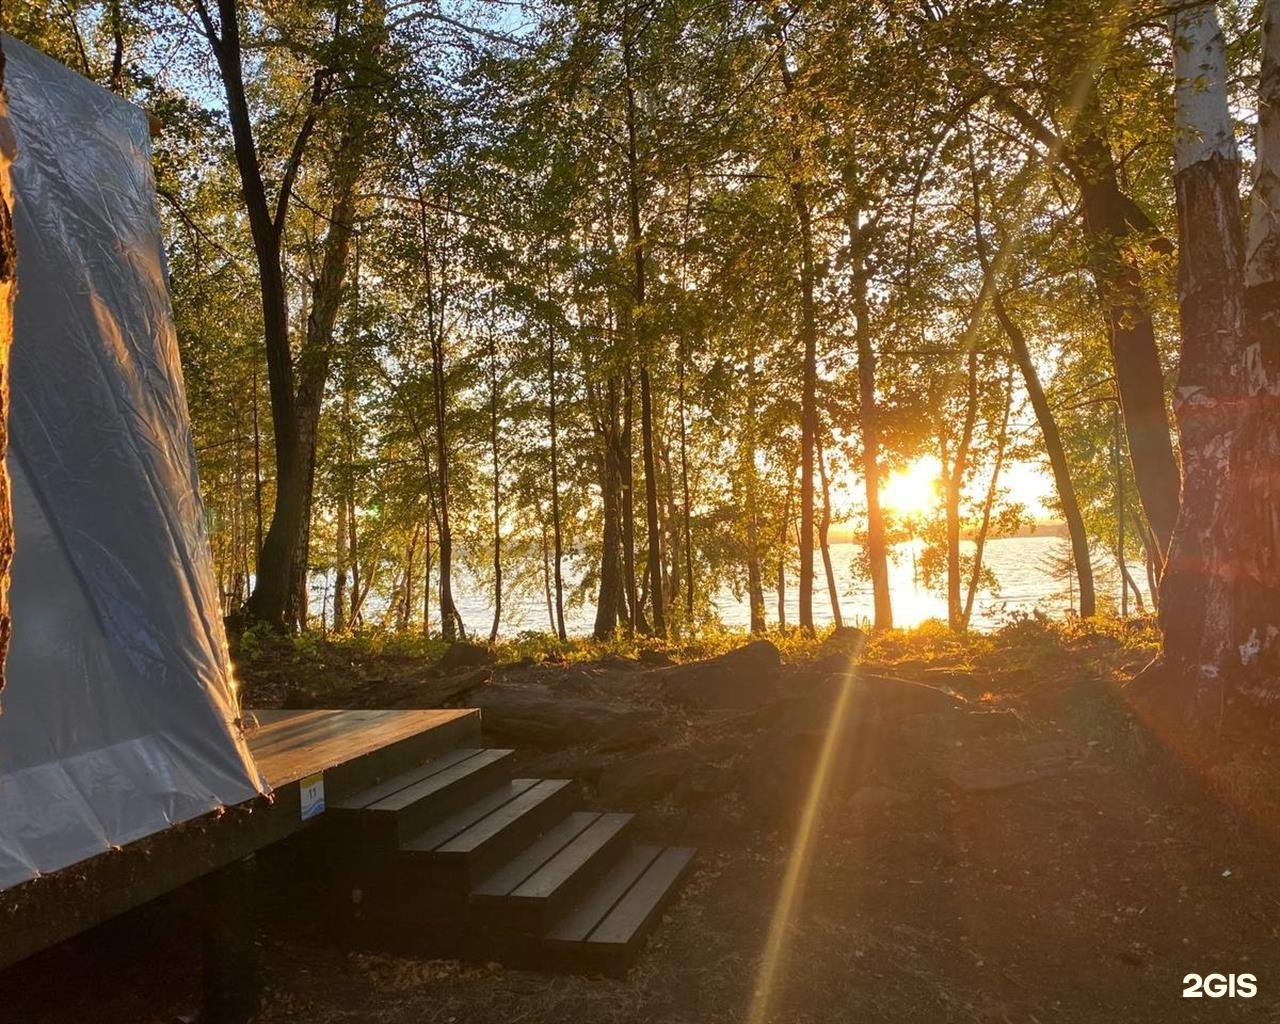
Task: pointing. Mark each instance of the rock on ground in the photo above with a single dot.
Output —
(743, 678)
(535, 715)
(464, 655)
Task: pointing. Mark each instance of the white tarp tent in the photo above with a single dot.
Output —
(118, 717)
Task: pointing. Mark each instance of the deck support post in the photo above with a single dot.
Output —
(232, 974)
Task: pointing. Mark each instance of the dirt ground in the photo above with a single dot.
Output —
(1034, 854)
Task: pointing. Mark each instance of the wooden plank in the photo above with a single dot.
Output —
(338, 737)
(270, 716)
(439, 781)
(440, 833)
(387, 762)
(508, 877)
(304, 731)
(489, 827)
(368, 797)
(639, 908)
(498, 837)
(549, 880)
(579, 922)
(327, 729)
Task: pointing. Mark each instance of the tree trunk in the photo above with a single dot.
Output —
(266, 226)
(641, 342)
(747, 460)
(653, 526)
(824, 527)
(546, 580)
(426, 576)
(556, 529)
(497, 489)
(1112, 235)
(327, 293)
(953, 484)
(984, 528)
(1114, 225)
(809, 344)
(609, 604)
(451, 627)
(868, 415)
(628, 507)
(783, 541)
(1057, 458)
(686, 517)
(1220, 593)
(8, 291)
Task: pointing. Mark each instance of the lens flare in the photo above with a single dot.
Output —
(798, 862)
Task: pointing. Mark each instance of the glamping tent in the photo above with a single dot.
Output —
(119, 714)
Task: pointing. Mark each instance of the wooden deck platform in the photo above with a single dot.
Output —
(351, 750)
(290, 745)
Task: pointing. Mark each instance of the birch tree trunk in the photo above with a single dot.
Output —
(1220, 594)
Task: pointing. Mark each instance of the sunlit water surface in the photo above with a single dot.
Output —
(1024, 568)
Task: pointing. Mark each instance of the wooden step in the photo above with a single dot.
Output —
(505, 879)
(552, 887)
(581, 919)
(458, 822)
(608, 925)
(479, 839)
(409, 803)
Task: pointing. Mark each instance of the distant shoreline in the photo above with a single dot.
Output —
(1052, 528)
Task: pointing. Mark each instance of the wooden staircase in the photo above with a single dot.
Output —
(457, 858)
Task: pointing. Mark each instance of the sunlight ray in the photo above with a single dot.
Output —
(793, 880)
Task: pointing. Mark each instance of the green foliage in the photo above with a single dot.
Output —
(494, 264)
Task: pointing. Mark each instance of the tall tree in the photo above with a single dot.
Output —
(807, 279)
(290, 398)
(1220, 595)
(8, 292)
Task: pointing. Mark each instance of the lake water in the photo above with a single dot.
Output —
(1023, 567)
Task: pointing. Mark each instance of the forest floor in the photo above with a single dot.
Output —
(1000, 839)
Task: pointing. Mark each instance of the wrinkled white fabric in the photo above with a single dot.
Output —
(118, 716)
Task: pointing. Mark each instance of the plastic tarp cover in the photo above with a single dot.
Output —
(118, 718)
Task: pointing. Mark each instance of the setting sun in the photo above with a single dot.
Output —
(912, 491)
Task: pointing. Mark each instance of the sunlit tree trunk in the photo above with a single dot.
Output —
(868, 417)
(497, 488)
(1220, 594)
(868, 412)
(808, 340)
(557, 551)
(751, 484)
(1113, 229)
(988, 504)
(640, 322)
(824, 529)
(954, 467)
(609, 603)
(8, 291)
(437, 296)
(627, 465)
(313, 365)
(1116, 229)
(426, 576)
(266, 226)
(686, 511)
(783, 545)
